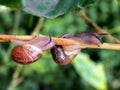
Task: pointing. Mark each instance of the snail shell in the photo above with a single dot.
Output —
(26, 53)
(63, 56)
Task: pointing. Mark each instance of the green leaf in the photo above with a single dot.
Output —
(46, 8)
(93, 73)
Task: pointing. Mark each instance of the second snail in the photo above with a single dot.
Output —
(63, 55)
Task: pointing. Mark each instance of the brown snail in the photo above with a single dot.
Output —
(62, 56)
(29, 51)
(65, 54)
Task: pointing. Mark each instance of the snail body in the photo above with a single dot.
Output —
(86, 37)
(30, 51)
(63, 55)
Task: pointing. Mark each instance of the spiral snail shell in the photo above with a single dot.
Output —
(26, 54)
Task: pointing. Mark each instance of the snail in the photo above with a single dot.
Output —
(30, 51)
(65, 54)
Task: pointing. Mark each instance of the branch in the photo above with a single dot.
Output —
(97, 28)
(7, 38)
(61, 41)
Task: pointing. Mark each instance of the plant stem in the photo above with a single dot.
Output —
(38, 27)
(7, 38)
(97, 28)
(16, 22)
(61, 41)
(15, 79)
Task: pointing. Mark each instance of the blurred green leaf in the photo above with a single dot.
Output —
(93, 73)
(114, 30)
(11, 3)
(46, 8)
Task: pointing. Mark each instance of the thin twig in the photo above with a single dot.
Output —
(7, 38)
(15, 29)
(97, 28)
(15, 79)
(39, 26)
(62, 41)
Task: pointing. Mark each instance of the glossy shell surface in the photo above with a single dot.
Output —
(26, 54)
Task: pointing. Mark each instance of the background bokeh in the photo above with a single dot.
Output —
(45, 74)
